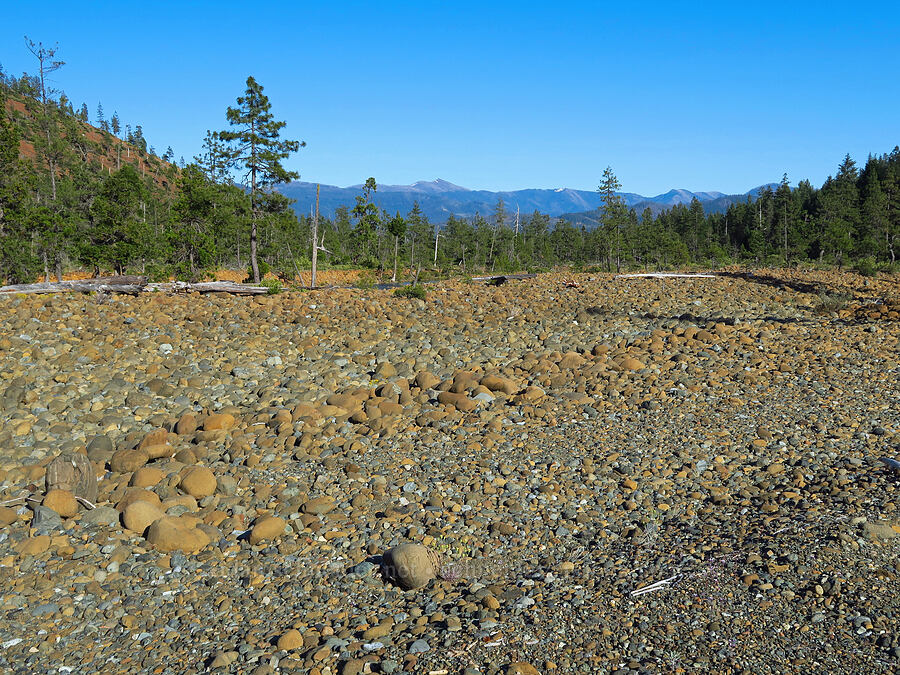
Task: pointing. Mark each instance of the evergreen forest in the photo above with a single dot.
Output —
(89, 193)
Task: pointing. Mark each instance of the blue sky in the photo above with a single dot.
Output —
(500, 95)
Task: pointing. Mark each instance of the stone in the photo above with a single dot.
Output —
(218, 421)
(159, 451)
(501, 384)
(426, 380)
(177, 533)
(139, 515)
(409, 566)
(7, 516)
(458, 400)
(137, 494)
(102, 515)
(46, 519)
(100, 449)
(126, 461)
(187, 424)
(571, 360)
(34, 545)
(146, 476)
(881, 530)
(319, 506)
(199, 482)
(630, 363)
(266, 529)
(156, 437)
(419, 647)
(61, 501)
(521, 668)
(290, 640)
(378, 631)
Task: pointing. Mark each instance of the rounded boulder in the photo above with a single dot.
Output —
(199, 482)
(410, 566)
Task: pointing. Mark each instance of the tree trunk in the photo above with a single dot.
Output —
(315, 242)
(396, 251)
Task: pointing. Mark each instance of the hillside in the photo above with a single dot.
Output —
(94, 147)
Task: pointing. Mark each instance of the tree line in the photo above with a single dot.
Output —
(99, 199)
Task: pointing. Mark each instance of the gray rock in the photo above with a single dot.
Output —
(419, 647)
(45, 609)
(101, 516)
(46, 520)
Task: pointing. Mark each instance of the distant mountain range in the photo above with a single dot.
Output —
(438, 199)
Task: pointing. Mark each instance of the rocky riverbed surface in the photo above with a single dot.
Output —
(554, 445)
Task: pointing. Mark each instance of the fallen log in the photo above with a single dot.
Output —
(499, 279)
(207, 287)
(132, 285)
(665, 275)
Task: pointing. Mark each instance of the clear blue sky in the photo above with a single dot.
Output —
(497, 95)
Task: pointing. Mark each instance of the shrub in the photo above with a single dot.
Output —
(417, 291)
(273, 285)
(366, 280)
(264, 269)
(867, 267)
(829, 303)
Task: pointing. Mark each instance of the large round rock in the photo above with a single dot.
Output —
(409, 565)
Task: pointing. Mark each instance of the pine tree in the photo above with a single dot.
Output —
(612, 214)
(874, 214)
(255, 148)
(17, 260)
(367, 221)
(397, 227)
(839, 199)
(194, 212)
(117, 229)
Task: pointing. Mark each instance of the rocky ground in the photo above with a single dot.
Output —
(556, 447)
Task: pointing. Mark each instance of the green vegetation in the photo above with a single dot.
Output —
(867, 267)
(273, 285)
(415, 291)
(97, 198)
(831, 303)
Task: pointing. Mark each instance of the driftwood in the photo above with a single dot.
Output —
(665, 275)
(131, 285)
(498, 279)
(208, 287)
(73, 472)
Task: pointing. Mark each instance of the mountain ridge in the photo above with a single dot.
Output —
(439, 198)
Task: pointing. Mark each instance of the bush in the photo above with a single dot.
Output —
(264, 269)
(829, 303)
(417, 291)
(273, 285)
(366, 280)
(867, 267)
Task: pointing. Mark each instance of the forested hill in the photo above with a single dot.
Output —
(76, 197)
(439, 199)
(714, 202)
(101, 150)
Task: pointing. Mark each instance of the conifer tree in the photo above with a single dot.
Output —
(612, 214)
(255, 148)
